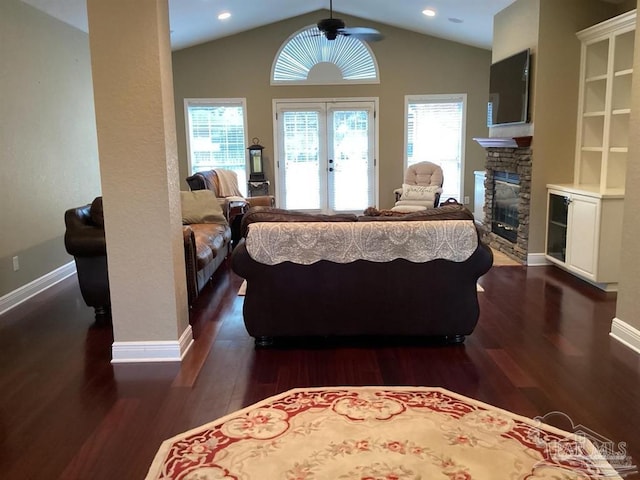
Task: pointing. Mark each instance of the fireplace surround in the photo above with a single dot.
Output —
(514, 162)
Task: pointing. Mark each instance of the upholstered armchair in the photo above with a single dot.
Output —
(421, 188)
(224, 183)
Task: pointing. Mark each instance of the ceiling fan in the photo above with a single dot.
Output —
(332, 27)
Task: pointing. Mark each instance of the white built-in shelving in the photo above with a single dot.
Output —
(584, 219)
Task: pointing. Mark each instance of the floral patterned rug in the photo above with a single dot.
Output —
(376, 433)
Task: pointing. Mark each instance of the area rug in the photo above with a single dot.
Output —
(376, 433)
(503, 260)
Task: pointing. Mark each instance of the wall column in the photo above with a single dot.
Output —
(135, 117)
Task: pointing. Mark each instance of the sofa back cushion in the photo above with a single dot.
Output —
(272, 214)
(201, 206)
(453, 211)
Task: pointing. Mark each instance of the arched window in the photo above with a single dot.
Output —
(308, 58)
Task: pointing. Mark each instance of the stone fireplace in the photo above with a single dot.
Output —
(508, 200)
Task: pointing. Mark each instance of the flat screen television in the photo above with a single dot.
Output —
(509, 90)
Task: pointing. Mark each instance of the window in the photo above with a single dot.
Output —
(216, 136)
(307, 57)
(435, 132)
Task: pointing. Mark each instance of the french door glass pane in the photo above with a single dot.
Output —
(350, 182)
(301, 150)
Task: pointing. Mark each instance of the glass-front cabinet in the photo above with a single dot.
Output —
(557, 226)
(584, 233)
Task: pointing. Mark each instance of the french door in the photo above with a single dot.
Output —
(325, 155)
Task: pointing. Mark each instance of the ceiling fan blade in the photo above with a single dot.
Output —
(362, 33)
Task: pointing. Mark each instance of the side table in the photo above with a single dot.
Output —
(235, 211)
(257, 188)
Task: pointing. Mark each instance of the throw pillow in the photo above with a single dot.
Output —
(419, 192)
(201, 206)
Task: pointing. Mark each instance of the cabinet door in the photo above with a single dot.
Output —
(557, 213)
(584, 216)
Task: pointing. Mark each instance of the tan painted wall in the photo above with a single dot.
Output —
(409, 63)
(628, 307)
(556, 102)
(548, 27)
(48, 146)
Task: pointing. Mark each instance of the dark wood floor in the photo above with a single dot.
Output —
(541, 345)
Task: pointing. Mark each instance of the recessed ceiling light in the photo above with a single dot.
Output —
(429, 12)
(224, 16)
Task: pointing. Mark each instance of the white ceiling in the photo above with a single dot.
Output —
(195, 21)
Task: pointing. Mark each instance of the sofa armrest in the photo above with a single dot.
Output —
(262, 201)
(82, 238)
(191, 265)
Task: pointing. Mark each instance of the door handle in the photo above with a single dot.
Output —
(331, 169)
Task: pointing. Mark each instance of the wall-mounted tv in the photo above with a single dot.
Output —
(509, 90)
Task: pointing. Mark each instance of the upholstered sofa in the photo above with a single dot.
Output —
(369, 275)
(224, 184)
(206, 246)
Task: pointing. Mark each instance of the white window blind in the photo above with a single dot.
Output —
(216, 136)
(435, 132)
(308, 49)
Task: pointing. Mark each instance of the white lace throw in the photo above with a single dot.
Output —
(305, 243)
(228, 182)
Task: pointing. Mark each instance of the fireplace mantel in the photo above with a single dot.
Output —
(504, 142)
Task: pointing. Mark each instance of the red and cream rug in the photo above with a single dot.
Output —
(376, 433)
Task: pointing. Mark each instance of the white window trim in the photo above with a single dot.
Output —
(276, 154)
(439, 98)
(213, 102)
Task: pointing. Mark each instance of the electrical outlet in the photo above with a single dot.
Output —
(466, 200)
(16, 263)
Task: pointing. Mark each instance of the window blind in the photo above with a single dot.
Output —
(217, 138)
(434, 134)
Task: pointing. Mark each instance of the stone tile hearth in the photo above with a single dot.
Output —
(511, 160)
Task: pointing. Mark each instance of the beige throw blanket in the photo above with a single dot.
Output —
(228, 183)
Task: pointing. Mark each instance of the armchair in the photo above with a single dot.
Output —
(224, 183)
(421, 188)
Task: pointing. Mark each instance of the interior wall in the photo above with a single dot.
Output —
(409, 63)
(548, 28)
(628, 307)
(48, 146)
(556, 103)
(516, 28)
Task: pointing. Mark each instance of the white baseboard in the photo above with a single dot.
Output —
(39, 285)
(626, 334)
(145, 352)
(537, 260)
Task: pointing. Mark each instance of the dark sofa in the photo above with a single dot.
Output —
(393, 297)
(206, 246)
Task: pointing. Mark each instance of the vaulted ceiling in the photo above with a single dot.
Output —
(196, 21)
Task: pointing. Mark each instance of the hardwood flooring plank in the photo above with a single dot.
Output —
(541, 345)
